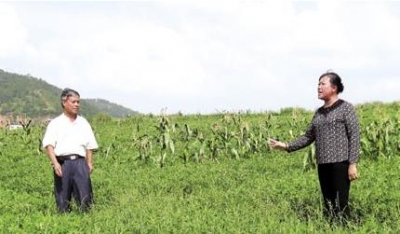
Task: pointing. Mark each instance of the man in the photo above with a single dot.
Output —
(69, 142)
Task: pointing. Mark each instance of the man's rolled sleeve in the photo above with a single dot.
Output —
(49, 136)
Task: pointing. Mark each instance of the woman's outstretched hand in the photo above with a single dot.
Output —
(277, 144)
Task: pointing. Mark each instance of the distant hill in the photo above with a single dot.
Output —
(35, 98)
(110, 108)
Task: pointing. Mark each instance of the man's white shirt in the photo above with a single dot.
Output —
(69, 137)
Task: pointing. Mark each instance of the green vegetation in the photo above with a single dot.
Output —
(203, 174)
(32, 97)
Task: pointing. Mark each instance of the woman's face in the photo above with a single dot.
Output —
(325, 89)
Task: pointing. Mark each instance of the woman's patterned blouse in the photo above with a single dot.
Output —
(336, 133)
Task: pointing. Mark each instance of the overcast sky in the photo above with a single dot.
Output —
(206, 56)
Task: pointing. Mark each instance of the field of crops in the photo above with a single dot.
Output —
(203, 174)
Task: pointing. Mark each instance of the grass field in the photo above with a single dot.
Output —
(266, 192)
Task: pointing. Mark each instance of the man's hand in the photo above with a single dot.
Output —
(90, 167)
(57, 169)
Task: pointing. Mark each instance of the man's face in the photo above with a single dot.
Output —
(71, 105)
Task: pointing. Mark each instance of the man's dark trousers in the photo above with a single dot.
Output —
(75, 180)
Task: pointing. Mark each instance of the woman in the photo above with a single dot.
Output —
(335, 130)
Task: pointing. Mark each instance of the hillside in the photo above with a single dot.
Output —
(110, 108)
(35, 98)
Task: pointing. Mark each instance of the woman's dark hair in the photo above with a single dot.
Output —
(334, 79)
(67, 92)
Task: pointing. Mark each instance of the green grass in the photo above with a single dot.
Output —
(268, 192)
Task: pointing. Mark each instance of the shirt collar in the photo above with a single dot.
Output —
(335, 105)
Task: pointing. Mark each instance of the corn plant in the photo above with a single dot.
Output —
(309, 160)
(164, 139)
(145, 147)
(226, 136)
(213, 143)
(377, 140)
(194, 145)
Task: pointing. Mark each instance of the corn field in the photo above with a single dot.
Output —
(172, 138)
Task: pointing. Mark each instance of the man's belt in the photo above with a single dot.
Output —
(68, 157)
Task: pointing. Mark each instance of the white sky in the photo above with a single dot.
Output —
(206, 56)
